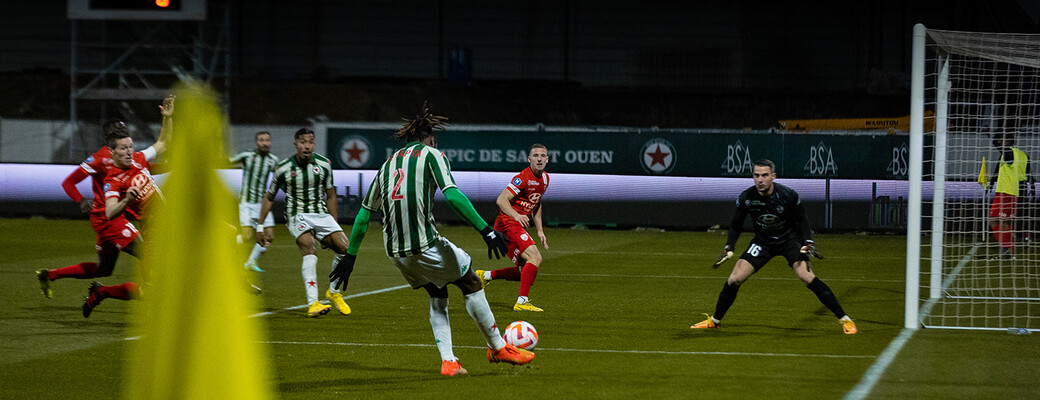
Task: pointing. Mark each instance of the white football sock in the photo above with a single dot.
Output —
(487, 275)
(441, 327)
(522, 300)
(478, 308)
(238, 239)
(332, 287)
(310, 277)
(258, 250)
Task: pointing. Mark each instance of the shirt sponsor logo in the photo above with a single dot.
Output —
(533, 183)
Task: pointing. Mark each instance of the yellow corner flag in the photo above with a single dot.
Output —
(983, 179)
(197, 340)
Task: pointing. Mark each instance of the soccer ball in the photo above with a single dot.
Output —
(522, 335)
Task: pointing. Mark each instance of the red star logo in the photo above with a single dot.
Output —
(312, 283)
(355, 152)
(658, 156)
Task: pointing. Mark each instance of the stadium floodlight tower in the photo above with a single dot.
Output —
(984, 89)
(126, 54)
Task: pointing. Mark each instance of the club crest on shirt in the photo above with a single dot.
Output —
(315, 169)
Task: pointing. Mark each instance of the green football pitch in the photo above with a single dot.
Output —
(618, 309)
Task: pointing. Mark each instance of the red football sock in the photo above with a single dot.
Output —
(126, 291)
(78, 271)
(527, 278)
(507, 273)
(1003, 237)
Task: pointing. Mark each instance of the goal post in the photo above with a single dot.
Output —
(965, 269)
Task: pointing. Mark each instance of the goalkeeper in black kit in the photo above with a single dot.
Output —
(781, 229)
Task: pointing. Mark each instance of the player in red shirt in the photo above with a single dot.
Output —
(114, 234)
(520, 205)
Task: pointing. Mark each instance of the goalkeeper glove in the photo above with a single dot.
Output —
(495, 240)
(341, 274)
(810, 249)
(727, 252)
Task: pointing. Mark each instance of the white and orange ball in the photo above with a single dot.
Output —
(522, 335)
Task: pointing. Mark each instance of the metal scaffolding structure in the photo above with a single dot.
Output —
(122, 66)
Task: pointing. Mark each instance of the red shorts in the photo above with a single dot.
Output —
(1003, 206)
(517, 239)
(114, 235)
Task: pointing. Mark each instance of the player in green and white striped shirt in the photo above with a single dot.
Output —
(403, 190)
(310, 213)
(257, 165)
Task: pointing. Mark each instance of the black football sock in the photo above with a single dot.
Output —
(823, 292)
(726, 298)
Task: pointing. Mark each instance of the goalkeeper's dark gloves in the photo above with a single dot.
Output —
(341, 274)
(727, 252)
(810, 249)
(495, 240)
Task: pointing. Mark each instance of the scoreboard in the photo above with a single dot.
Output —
(144, 10)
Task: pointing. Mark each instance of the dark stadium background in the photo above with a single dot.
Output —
(668, 64)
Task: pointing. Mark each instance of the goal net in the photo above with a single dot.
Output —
(978, 266)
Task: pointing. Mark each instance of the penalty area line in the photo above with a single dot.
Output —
(658, 352)
(874, 373)
(305, 305)
(347, 297)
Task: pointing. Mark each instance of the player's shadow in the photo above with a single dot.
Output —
(709, 334)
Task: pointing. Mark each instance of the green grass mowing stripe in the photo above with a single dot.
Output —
(612, 351)
(873, 374)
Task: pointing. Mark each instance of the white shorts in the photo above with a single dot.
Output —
(249, 213)
(321, 224)
(440, 264)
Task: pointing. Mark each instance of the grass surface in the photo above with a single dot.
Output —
(618, 309)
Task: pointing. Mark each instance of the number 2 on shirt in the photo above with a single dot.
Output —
(399, 177)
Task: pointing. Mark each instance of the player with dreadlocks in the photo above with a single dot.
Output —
(403, 190)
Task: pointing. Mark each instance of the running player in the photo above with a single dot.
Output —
(110, 239)
(257, 165)
(310, 213)
(519, 207)
(403, 190)
(128, 188)
(781, 229)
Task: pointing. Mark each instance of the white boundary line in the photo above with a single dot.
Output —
(874, 373)
(760, 278)
(713, 353)
(266, 313)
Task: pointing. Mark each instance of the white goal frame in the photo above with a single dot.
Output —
(918, 308)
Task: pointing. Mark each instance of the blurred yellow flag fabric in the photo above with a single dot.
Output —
(197, 340)
(983, 179)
